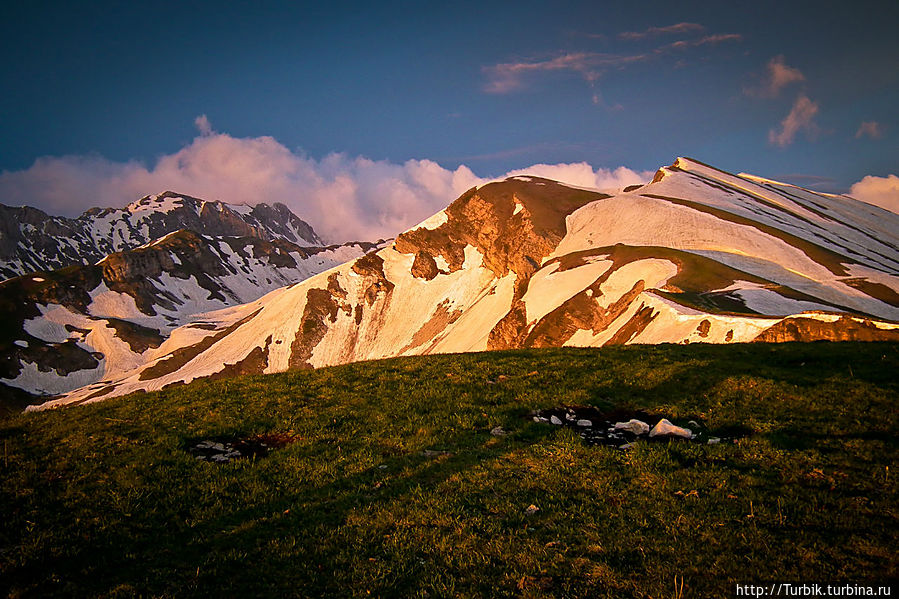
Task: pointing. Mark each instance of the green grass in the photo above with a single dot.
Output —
(104, 500)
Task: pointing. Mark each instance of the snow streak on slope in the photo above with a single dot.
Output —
(697, 255)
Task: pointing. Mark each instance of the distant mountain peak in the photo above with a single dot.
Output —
(31, 240)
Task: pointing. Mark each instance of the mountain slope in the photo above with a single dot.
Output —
(32, 241)
(696, 255)
(70, 327)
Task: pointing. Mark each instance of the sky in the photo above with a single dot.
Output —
(366, 117)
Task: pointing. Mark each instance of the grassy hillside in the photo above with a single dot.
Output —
(395, 486)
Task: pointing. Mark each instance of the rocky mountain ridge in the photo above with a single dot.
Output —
(32, 241)
(65, 328)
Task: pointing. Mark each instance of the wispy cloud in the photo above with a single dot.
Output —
(778, 75)
(507, 77)
(203, 125)
(657, 31)
(801, 118)
(872, 129)
(703, 41)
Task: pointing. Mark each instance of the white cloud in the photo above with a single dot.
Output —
(581, 174)
(872, 129)
(800, 119)
(342, 197)
(880, 191)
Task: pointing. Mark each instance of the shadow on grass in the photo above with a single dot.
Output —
(150, 555)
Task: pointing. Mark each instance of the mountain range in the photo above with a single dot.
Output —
(30, 240)
(176, 257)
(695, 255)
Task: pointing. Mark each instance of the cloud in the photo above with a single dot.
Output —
(504, 78)
(342, 197)
(508, 77)
(872, 129)
(703, 41)
(800, 118)
(778, 75)
(581, 174)
(880, 191)
(656, 31)
(203, 125)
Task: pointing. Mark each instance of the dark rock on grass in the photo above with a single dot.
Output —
(621, 428)
(225, 449)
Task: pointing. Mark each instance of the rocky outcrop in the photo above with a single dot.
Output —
(844, 328)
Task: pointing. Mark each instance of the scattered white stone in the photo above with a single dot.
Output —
(21, 343)
(531, 510)
(583, 422)
(555, 420)
(664, 427)
(637, 427)
(714, 441)
(540, 419)
(497, 431)
(626, 446)
(569, 416)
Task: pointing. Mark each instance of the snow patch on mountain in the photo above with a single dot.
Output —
(697, 255)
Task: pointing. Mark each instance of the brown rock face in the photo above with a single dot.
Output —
(424, 266)
(810, 329)
(436, 324)
(581, 312)
(514, 224)
(139, 338)
(321, 306)
(371, 266)
(255, 363)
(633, 327)
(486, 218)
(704, 327)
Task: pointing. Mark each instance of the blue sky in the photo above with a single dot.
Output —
(802, 91)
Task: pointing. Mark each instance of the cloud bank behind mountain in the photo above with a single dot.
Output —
(343, 197)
